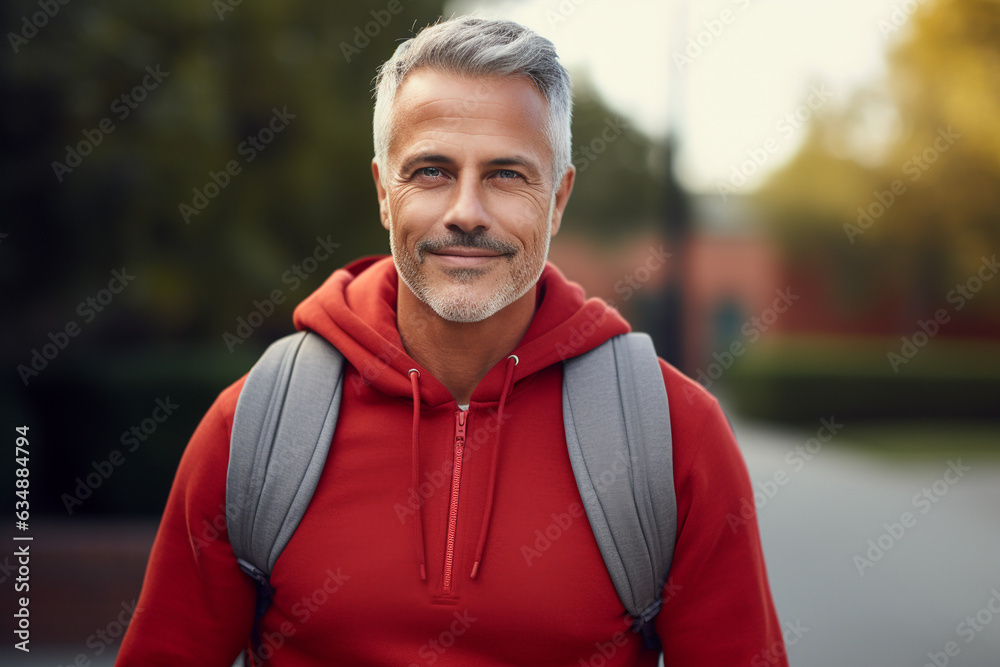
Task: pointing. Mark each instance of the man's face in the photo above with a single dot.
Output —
(468, 194)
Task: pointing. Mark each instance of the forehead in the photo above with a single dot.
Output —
(488, 112)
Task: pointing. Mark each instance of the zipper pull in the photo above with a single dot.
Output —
(460, 428)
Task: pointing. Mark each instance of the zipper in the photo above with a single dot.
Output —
(456, 475)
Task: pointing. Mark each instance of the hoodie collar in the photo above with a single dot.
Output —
(355, 309)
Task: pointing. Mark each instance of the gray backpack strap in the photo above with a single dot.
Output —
(282, 430)
(618, 433)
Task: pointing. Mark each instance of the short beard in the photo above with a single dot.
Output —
(455, 304)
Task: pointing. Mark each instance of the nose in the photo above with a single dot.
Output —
(467, 210)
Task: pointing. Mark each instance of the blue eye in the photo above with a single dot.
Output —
(508, 173)
(433, 172)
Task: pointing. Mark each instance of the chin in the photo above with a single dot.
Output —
(458, 305)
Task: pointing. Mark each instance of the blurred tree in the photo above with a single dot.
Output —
(948, 65)
(899, 189)
(619, 170)
(184, 89)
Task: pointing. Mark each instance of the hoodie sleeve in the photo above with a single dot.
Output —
(196, 605)
(717, 608)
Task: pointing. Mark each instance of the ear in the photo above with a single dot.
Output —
(383, 198)
(562, 197)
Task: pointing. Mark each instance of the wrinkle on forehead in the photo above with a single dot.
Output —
(434, 102)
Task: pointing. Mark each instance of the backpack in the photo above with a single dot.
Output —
(287, 412)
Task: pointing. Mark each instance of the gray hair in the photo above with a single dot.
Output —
(480, 47)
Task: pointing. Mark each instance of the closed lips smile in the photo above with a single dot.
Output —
(467, 252)
(466, 256)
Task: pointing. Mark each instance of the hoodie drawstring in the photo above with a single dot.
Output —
(493, 466)
(414, 375)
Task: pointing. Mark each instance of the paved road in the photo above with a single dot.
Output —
(911, 601)
(933, 573)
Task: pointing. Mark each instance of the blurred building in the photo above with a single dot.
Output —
(741, 286)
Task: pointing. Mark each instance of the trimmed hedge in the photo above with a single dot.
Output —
(799, 379)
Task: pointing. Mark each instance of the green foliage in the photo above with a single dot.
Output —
(795, 380)
(226, 70)
(621, 173)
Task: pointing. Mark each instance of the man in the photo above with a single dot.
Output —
(422, 544)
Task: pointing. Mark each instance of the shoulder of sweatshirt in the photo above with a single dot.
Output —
(705, 450)
(207, 453)
(219, 415)
(225, 403)
(717, 577)
(695, 413)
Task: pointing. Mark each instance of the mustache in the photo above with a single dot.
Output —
(467, 240)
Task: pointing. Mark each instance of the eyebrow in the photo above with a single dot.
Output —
(438, 158)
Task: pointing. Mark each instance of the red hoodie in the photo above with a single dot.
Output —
(383, 568)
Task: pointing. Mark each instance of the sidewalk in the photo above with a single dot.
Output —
(910, 591)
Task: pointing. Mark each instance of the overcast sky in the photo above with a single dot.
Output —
(726, 72)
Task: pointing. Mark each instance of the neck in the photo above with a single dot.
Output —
(459, 354)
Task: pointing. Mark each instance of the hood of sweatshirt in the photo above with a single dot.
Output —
(355, 309)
